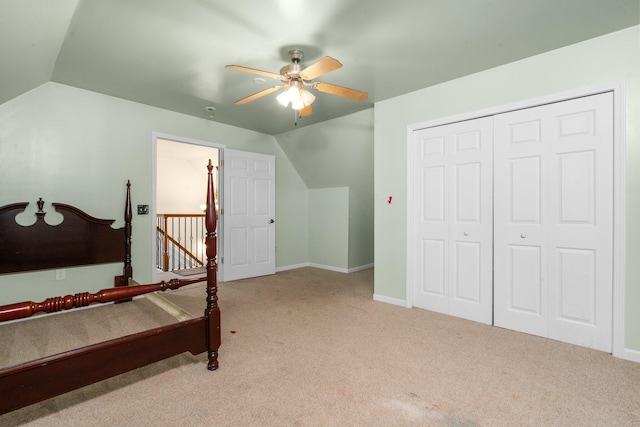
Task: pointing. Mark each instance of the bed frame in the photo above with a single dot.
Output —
(83, 240)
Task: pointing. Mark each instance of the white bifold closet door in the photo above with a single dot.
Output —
(453, 229)
(553, 227)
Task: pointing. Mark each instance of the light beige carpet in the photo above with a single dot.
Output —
(311, 348)
(45, 335)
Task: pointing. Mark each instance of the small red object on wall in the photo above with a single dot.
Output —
(390, 198)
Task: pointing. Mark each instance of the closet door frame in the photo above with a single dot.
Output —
(619, 169)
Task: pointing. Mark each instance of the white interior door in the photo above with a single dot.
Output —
(554, 221)
(249, 214)
(453, 219)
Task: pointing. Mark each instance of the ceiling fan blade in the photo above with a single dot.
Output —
(306, 111)
(254, 71)
(258, 95)
(320, 67)
(341, 91)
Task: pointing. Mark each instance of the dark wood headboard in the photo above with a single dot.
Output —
(79, 239)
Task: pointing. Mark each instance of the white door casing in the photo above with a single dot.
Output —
(554, 221)
(453, 219)
(249, 214)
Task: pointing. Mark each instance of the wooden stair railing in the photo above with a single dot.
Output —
(165, 252)
(163, 232)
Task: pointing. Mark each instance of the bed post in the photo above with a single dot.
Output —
(128, 215)
(212, 312)
(127, 270)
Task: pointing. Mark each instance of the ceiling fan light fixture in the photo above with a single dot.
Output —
(296, 95)
(283, 98)
(307, 97)
(297, 105)
(293, 93)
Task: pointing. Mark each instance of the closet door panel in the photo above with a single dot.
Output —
(525, 269)
(467, 274)
(580, 239)
(470, 228)
(524, 196)
(576, 285)
(519, 218)
(430, 244)
(433, 262)
(553, 197)
(453, 223)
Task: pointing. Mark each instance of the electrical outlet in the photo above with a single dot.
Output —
(143, 209)
(61, 274)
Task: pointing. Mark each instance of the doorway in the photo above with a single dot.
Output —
(246, 216)
(180, 196)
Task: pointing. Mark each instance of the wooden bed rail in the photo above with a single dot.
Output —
(41, 379)
(50, 305)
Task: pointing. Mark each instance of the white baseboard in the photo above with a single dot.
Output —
(324, 267)
(329, 267)
(360, 268)
(390, 300)
(292, 267)
(628, 354)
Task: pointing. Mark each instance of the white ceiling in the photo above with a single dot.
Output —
(172, 54)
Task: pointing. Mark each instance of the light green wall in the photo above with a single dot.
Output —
(338, 237)
(360, 229)
(609, 59)
(335, 153)
(329, 227)
(339, 153)
(78, 147)
(292, 215)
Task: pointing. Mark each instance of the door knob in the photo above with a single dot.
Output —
(466, 233)
(523, 236)
(271, 221)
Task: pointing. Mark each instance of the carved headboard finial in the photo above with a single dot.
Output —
(40, 214)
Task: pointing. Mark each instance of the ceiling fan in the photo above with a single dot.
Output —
(295, 77)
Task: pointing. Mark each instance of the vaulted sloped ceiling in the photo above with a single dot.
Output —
(172, 54)
(31, 33)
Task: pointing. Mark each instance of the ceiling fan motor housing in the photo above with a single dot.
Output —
(296, 55)
(295, 67)
(291, 69)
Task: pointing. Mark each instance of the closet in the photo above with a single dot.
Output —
(513, 220)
